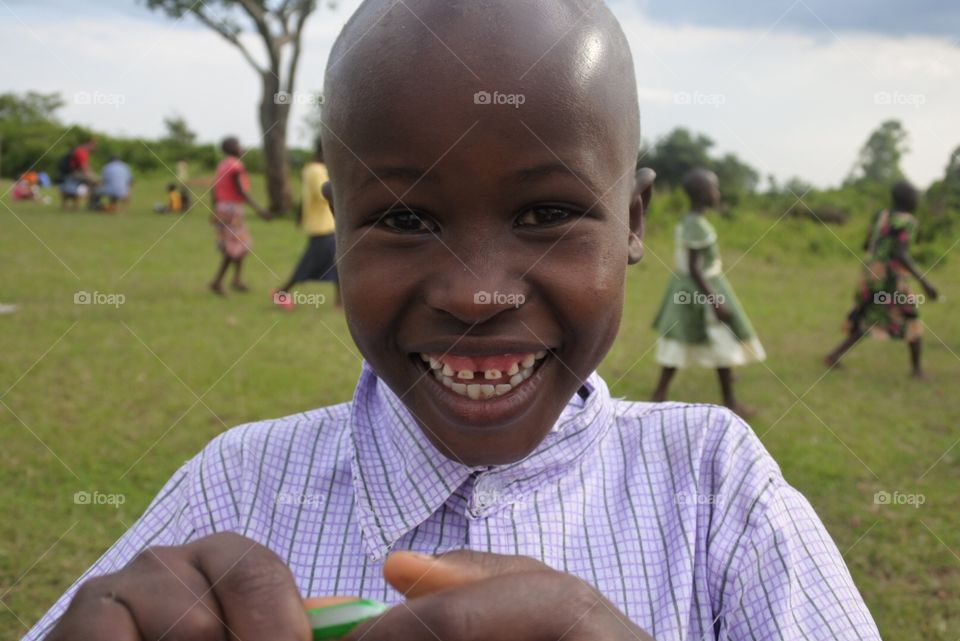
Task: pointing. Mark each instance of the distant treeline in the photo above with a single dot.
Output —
(32, 136)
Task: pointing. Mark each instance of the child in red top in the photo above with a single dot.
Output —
(231, 191)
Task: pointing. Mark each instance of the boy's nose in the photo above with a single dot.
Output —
(477, 297)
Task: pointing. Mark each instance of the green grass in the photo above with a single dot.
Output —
(102, 398)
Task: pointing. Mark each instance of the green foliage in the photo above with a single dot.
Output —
(879, 159)
(940, 209)
(33, 138)
(680, 151)
(178, 131)
(31, 107)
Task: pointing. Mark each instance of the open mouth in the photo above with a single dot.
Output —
(481, 378)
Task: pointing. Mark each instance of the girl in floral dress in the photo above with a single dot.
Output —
(884, 305)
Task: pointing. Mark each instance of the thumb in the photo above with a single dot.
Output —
(415, 574)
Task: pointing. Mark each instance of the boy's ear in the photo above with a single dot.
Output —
(327, 192)
(639, 200)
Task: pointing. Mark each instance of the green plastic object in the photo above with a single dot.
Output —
(334, 621)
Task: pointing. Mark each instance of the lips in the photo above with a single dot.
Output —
(483, 377)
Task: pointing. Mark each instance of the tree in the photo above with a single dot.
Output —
(680, 151)
(279, 25)
(736, 178)
(28, 128)
(31, 107)
(178, 132)
(879, 159)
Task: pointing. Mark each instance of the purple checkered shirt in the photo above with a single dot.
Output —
(675, 512)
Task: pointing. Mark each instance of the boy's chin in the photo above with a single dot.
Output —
(489, 431)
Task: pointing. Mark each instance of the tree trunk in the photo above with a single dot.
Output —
(274, 114)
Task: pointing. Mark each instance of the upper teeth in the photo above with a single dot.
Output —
(517, 373)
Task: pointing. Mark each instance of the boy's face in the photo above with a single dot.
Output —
(483, 247)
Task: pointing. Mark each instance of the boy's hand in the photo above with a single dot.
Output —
(265, 214)
(930, 290)
(467, 595)
(223, 586)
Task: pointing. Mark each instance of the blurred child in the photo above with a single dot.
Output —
(185, 201)
(25, 188)
(884, 305)
(318, 261)
(174, 204)
(700, 321)
(231, 193)
(483, 283)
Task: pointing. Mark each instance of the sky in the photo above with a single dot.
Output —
(793, 87)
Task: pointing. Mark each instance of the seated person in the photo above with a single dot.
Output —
(115, 181)
(174, 204)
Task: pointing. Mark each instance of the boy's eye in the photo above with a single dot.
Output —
(408, 222)
(544, 216)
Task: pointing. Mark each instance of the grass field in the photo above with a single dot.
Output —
(114, 399)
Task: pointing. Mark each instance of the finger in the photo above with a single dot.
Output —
(415, 574)
(256, 591)
(188, 609)
(95, 614)
(534, 606)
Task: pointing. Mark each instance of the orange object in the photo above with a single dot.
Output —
(323, 602)
(416, 574)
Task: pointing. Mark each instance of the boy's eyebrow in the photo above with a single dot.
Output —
(529, 174)
(407, 174)
(532, 174)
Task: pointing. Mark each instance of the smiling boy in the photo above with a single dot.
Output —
(483, 247)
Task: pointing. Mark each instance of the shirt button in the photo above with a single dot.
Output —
(486, 492)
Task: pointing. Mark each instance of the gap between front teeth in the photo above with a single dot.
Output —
(518, 373)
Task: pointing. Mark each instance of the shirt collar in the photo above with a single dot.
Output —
(400, 479)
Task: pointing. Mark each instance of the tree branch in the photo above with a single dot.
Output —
(259, 18)
(230, 36)
(306, 8)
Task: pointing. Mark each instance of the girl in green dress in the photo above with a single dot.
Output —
(884, 305)
(700, 321)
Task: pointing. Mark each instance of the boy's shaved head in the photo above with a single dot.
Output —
(481, 157)
(572, 54)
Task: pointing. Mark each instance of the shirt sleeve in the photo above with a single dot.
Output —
(196, 501)
(697, 233)
(775, 573)
(791, 581)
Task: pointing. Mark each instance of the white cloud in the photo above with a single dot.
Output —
(788, 103)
